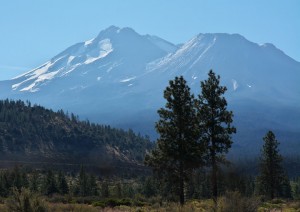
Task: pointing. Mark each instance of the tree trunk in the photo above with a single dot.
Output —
(214, 179)
(181, 186)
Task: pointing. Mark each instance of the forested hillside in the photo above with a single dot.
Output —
(33, 134)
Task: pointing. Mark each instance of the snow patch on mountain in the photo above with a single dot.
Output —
(69, 69)
(63, 64)
(88, 42)
(206, 48)
(188, 55)
(235, 85)
(127, 79)
(70, 59)
(36, 74)
(105, 48)
(41, 78)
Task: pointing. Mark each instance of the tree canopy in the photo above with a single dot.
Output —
(178, 151)
(192, 131)
(272, 180)
(215, 122)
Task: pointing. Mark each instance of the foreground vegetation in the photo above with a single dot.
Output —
(40, 190)
(230, 202)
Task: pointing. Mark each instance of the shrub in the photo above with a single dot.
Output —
(117, 202)
(25, 201)
(295, 205)
(277, 201)
(126, 202)
(99, 204)
(112, 203)
(234, 202)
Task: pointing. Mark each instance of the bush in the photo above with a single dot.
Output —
(126, 202)
(112, 203)
(295, 205)
(98, 204)
(117, 202)
(57, 198)
(277, 201)
(84, 200)
(234, 202)
(25, 201)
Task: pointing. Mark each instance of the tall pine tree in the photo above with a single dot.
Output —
(83, 182)
(215, 122)
(177, 150)
(49, 185)
(272, 180)
(62, 185)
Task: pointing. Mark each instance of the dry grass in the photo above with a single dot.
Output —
(2, 207)
(190, 206)
(60, 207)
(291, 206)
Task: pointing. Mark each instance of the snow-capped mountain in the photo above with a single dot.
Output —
(118, 78)
(98, 58)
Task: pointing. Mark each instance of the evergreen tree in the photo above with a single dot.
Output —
(128, 190)
(118, 190)
(149, 187)
(50, 184)
(4, 184)
(34, 182)
(62, 184)
(104, 190)
(296, 188)
(16, 178)
(83, 182)
(24, 178)
(272, 180)
(92, 185)
(215, 122)
(177, 151)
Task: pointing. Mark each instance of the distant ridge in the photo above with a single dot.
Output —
(37, 136)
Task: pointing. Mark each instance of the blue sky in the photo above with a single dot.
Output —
(33, 31)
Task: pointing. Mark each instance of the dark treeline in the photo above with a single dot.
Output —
(48, 182)
(85, 184)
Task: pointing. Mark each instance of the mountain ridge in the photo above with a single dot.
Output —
(119, 77)
(33, 134)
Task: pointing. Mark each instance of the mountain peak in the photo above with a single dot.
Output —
(114, 30)
(268, 45)
(111, 28)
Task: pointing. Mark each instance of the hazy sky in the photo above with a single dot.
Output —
(33, 31)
